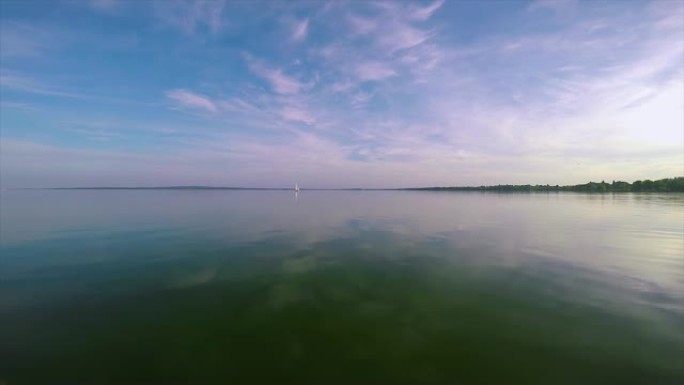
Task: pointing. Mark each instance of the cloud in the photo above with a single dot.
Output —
(360, 25)
(96, 134)
(18, 82)
(297, 115)
(238, 105)
(187, 99)
(373, 70)
(552, 5)
(396, 26)
(30, 164)
(425, 13)
(405, 36)
(191, 15)
(279, 82)
(6, 104)
(342, 86)
(381, 92)
(360, 99)
(300, 31)
(21, 39)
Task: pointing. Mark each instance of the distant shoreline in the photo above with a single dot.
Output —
(661, 185)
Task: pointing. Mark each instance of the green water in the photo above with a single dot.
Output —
(193, 287)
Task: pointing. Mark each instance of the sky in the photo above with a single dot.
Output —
(339, 94)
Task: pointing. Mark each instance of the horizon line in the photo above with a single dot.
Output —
(207, 187)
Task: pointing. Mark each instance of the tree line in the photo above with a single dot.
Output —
(660, 185)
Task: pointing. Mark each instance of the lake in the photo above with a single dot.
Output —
(221, 286)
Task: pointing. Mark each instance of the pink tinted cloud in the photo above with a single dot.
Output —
(191, 100)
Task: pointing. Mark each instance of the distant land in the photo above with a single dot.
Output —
(661, 185)
(647, 185)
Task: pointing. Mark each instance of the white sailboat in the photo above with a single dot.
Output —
(296, 187)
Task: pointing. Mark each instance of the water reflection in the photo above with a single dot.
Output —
(151, 287)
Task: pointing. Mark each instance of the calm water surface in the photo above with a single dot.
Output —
(175, 287)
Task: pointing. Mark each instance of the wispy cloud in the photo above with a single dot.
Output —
(361, 25)
(7, 104)
(374, 70)
(405, 36)
(359, 99)
(397, 25)
(358, 93)
(96, 133)
(553, 5)
(238, 105)
(192, 15)
(279, 81)
(21, 39)
(424, 13)
(300, 30)
(187, 99)
(342, 86)
(19, 82)
(295, 114)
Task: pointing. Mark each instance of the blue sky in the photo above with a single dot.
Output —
(339, 94)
